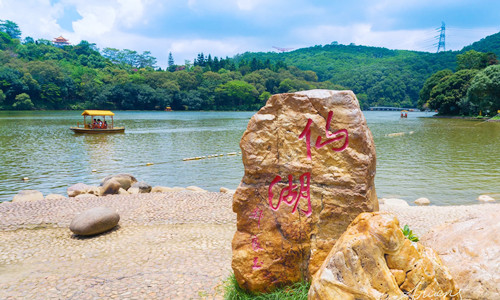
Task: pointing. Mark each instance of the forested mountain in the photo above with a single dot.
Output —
(39, 75)
(378, 76)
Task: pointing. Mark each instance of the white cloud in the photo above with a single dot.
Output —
(95, 21)
(35, 18)
(256, 25)
(249, 4)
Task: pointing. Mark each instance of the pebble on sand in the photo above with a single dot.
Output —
(422, 201)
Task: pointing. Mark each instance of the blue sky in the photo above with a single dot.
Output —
(227, 27)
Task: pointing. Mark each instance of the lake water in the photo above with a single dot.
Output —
(449, 161)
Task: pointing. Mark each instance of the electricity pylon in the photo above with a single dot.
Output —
(441, 44)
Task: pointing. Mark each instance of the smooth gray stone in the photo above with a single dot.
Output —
(94, 221)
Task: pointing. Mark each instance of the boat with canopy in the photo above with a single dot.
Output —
(95, 126)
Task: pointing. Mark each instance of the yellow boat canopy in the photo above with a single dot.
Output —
(97, 113)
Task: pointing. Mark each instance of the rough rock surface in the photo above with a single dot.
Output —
(28, 195)
(125, 180)
(122, 192)
(142, 186)
(373, 260)
(309, 171)
(77, 189)
(471, 250)
(110, 187)
(94, 221)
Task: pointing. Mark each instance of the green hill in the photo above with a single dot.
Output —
(377, 75)
(490, 43)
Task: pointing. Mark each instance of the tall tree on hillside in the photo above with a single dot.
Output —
(171, 62)
(10, 28)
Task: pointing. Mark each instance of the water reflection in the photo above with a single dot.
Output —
(447, 161)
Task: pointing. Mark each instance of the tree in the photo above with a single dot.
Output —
(430, 83)
(145, 60)
(236, 94)
(474, 60)
(10, 28)
(484, 90)
(28, 40)
(2, 97)
(171, 62)
(23, 102)
(447, 94)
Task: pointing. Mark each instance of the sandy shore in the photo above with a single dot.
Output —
(168, 246)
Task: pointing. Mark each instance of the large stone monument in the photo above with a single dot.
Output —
(309, 162)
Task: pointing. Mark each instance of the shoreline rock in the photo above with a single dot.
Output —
(94, 221)
(374, 260)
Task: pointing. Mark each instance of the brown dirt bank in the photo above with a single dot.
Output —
(168, 246)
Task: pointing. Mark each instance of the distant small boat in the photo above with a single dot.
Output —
(95, 126)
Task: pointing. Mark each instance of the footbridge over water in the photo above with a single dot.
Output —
(389, 108)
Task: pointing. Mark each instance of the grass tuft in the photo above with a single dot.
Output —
(297, 291)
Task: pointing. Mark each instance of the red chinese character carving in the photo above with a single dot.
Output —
(304, 192)
(256, 215)
(256, 264)
(255, 244)
(331, 137)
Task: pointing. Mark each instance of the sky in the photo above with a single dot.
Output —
(228, 27)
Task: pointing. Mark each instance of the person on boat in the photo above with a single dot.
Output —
(105, 125)
(99, 123)
(94, 124)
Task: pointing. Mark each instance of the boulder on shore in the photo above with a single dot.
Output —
(54, 197)
(422, 201)
(110, 187)
(94, 221)
(309, 161)
(125, 180)
(195, 189)
(226, 190)
(77, 189)
(142, 186)
(374, 260)
(471, 250)
(393, 202)
(28, 195)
